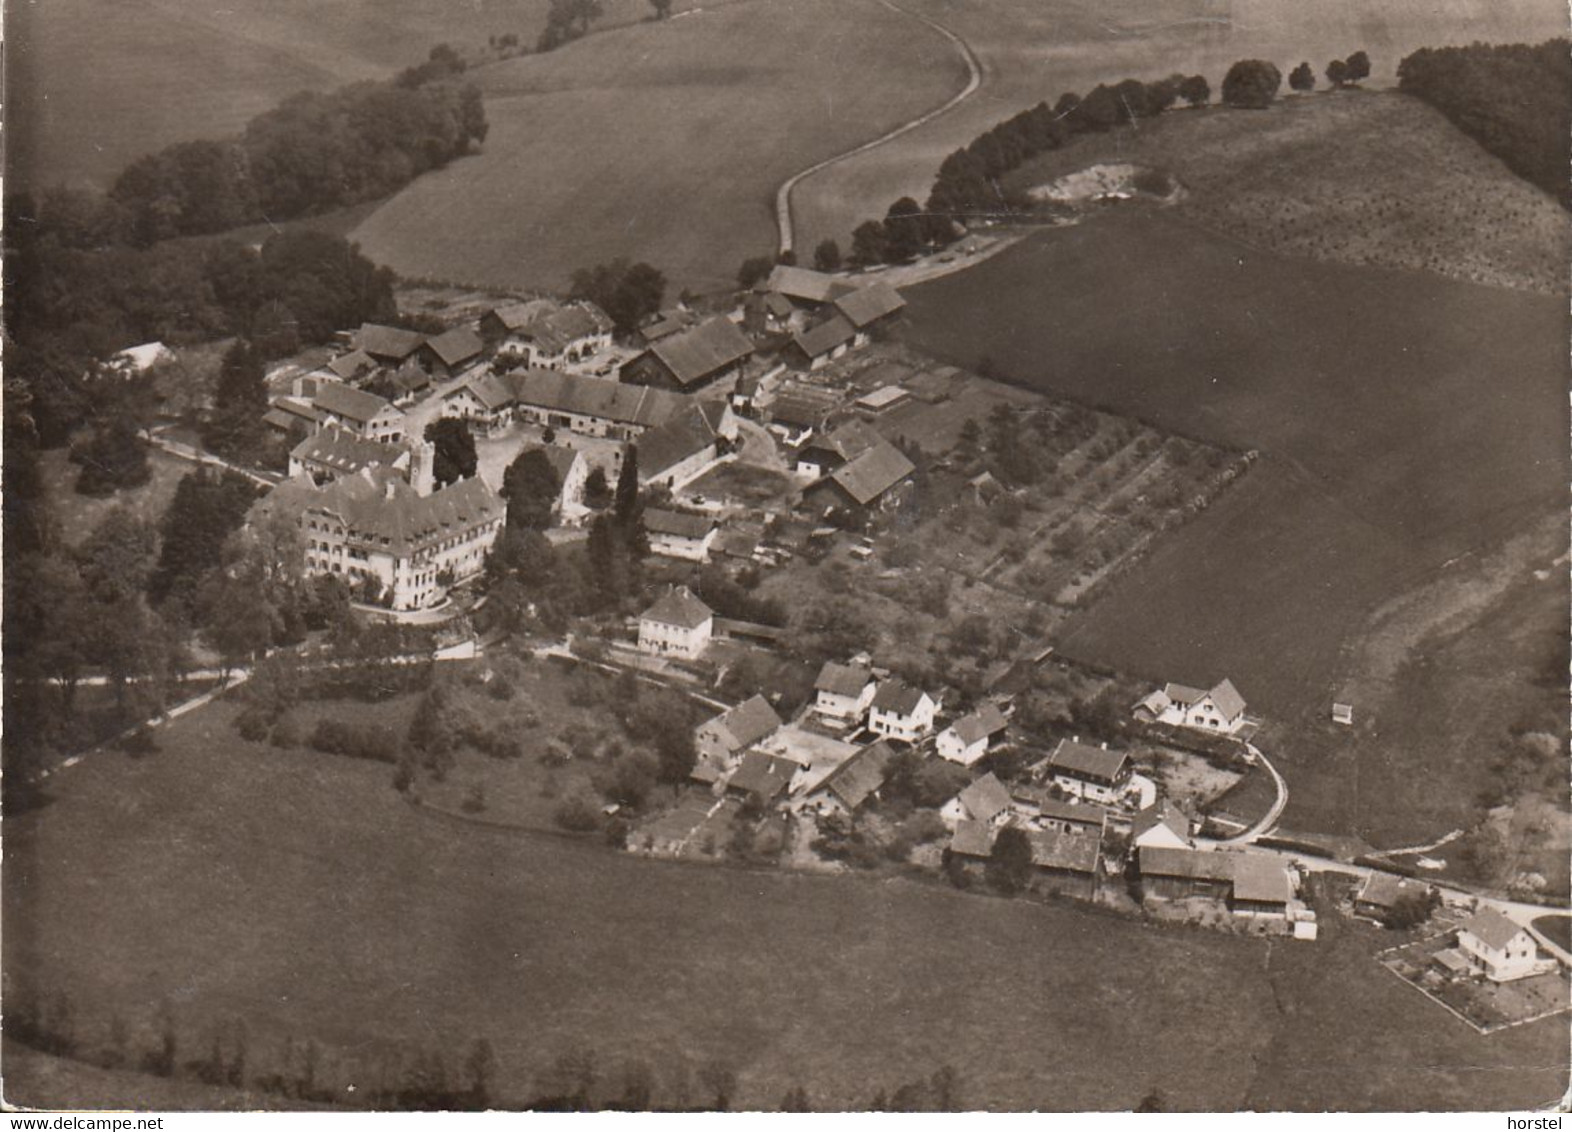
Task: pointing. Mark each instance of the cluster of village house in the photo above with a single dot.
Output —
(361, 487)
(360, 477)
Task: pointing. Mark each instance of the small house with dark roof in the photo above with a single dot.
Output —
(691, 359)
(761, 776)
(847, 788)
(1040, 810)
(291, 416)
(724, 738)
(823, 454)
(678, 534)
(1220, 709)
(365, 414)
(868, 482)
(544, 333)
(1497, 948)
(1262, 885)
(678, 625)
(899, 711)
(984, 800)
(573, 472)
(843, 691)
(967, 740)
(803, 288)
(1090, 773)
(1065, 863)
(351, 366)
(1381, 893)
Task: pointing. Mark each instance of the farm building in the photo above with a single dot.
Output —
(691, 359)
(899, 711)
(843, 691)
(686, 445)
(375, 530)
(591, 406)
(453, 351)
(770, 312)
(290, 416)
(1381, 893)
(351, 366)
(1090, 773)
(820, 344)
(876, 304)
(1163, 825)
(1263, 886)
(973, 839)
(985, 800)
(666, 323)
(967, 739)
(364, 414)
(388, 345)
(867, 483)
(797, 412)
(1034, 806)
(1220, 709)
(804, 289)
(573, 472)
(679, 624)
(723, 738)
(677, 534)
(1174, 874)
(1498, 949)
(1066, 863)
(545, 333)
(823, 454)
(883, 399)
(849, 786)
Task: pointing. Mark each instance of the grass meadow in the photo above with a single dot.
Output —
(98, 83)
(1404, 422)
(229, 880)
(1032, 51)
(662, 142)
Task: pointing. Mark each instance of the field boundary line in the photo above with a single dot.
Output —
(974, 80)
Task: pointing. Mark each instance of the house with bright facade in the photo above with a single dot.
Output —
(1220, 709)
(678, 625)
(968, 739)
(899, 711)
(843, 691)
(1092, 774)
(1497, 948)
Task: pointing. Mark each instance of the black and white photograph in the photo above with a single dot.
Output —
(786, 556)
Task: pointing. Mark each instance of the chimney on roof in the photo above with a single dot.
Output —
(390, 489)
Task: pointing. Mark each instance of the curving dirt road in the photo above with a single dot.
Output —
(974, 68)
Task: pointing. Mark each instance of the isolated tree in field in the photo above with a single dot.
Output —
(1100, 110)
(530, 485)
(1251, 84)
(827, 256)
(1302, 78)
(1358, 67)
(239, 401)
(868, 244)
(1195, 90)
(753, 269)
(1337, 73)
(1010, 866)
(455, 457)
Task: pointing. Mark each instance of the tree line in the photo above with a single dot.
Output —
(1513, 99)
(970, 181)
(314, 152)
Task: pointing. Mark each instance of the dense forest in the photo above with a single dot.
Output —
(1513, 99)
(313, 153)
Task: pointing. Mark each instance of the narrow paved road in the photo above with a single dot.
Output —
(1269, 819)
(783, 218)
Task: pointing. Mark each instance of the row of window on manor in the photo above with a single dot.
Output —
(447, 544)
(422, 580)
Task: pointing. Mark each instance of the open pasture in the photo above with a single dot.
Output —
(662, 142)
(298, 892)
(98, 83)
(1402, 421)
(1425, 197)
(1033, 52)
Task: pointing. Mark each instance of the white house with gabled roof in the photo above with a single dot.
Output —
(843, 691)
(679, 624)
(1220, 709)
(1497, 948)
(899, 711)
